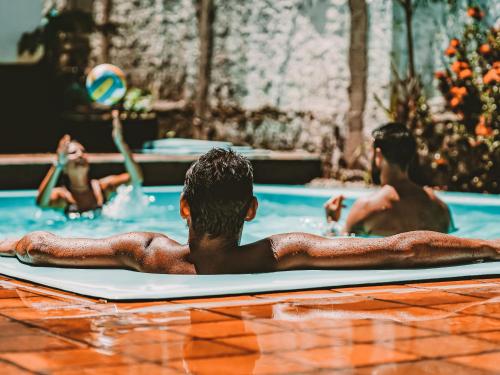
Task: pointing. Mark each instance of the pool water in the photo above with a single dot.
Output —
(281, 209)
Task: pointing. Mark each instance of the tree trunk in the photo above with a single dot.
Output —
(83, 5)
(409, 36)
(106, 14)
(206, 16)
(358, 65)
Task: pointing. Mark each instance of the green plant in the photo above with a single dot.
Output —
(137, 100)
(463, 152)
(469, 153)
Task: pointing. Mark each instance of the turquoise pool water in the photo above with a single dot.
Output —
(282, 209)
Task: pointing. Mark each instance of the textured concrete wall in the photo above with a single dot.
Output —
(156, 44)
(288, 55)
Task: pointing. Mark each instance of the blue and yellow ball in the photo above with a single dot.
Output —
(106, 84)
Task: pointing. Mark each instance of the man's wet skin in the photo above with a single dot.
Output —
(215, 227)
(400, 205)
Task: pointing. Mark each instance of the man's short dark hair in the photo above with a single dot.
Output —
(219, 189)
(396, 142)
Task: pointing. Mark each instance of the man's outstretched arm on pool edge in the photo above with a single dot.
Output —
(153, 252)
(410, 249)
(140, 251)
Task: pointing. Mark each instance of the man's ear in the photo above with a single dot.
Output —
(252, 209)
(185, 211)
(378, 157)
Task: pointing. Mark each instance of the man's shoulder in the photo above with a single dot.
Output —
(168, 256)
(380, 200)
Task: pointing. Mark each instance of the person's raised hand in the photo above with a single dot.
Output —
(62, 150)
(333, 208)
(117, 126)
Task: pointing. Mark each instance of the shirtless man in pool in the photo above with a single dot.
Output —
(216, 201)
(400, 205)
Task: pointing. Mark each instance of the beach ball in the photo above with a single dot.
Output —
(106, 84)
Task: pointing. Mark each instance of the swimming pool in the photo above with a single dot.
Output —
(281, 209)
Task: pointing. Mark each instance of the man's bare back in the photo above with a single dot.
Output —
(399, 209)
(400, 205)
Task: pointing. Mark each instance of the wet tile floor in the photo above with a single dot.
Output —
(425, 328)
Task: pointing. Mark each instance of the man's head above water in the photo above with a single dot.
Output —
(218, 195)
(393, 144)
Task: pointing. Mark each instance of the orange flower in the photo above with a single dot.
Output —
(493, 75)
(440, 74)
(455, 102)
(466, 73)
(450, 51)
(441, 161)
(485, 49)
(456, 67)
(475, 12)
(496, 66)
(454, 42)
(483, 130)
(458, 92)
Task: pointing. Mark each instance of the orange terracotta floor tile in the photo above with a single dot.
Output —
(493, 336)
(459, 324)
(348, 356)
(441, 347)
(139, 369)
(28, 313)
(377, 331)
(423, 367)
(282, 341)
(39, 342)
(450, 327)
(64, 359)
(11, 369)
(223, 329)
(190, 348)
(426, 298)
(478, 290)
(487, 361)
(248, 364)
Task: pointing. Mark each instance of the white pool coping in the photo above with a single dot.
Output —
(112, 284)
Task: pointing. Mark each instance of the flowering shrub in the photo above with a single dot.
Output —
(463, 153)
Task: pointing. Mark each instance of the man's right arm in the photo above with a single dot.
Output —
(411, 249)
(140, 251)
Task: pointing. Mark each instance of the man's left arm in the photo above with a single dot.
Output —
(411, 249)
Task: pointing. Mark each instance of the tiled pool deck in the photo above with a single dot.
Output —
(427, 328)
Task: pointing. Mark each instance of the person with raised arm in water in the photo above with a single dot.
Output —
(216, 201)
(400, 205)
(78, 193)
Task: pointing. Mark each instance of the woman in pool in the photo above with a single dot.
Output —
(78, 192)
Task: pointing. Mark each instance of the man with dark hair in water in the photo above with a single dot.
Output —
(400, 205)
(216, 201)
